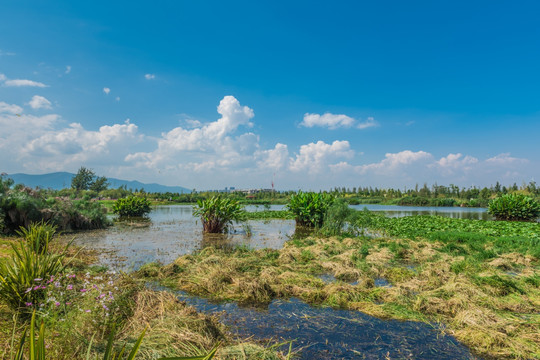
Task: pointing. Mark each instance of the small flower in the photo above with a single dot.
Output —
(105, 307)
(68, 303)
(84, 290)
(87, 311)
(38, 279)
(57, 303)
(28, 304)
(70, 287)
(57, 284)
(28, 290)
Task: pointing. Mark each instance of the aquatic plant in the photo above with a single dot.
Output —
(309, 208)
(514, 207)
(218, 214)
(30, 263)
(131, 206)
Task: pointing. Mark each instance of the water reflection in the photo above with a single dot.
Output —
(325, 333)
(171, 231)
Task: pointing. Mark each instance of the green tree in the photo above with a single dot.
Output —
(99, 184)
(83, 179)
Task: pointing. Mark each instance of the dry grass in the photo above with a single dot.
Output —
(483, 306)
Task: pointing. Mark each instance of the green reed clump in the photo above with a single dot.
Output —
(514, 207)
(218, 214)
(132, 206)
(31, 263)
(309, 208)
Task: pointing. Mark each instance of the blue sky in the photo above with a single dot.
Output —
(208, 94)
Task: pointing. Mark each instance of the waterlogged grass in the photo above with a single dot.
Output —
(483, 286)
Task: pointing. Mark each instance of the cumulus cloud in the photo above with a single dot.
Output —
(335, 121)
(10, 108)
(316, 157)
(149, 76)
(68, 69)
(39, 102)
(106, 90)
(2, 77)
(331, 121)
(453, 163)
(274, 159)
(395, 161)
(213, 144)
(24, 82)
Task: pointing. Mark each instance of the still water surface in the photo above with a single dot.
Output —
(172, 231)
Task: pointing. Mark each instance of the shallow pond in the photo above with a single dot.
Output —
(172, 231)
(325, 333)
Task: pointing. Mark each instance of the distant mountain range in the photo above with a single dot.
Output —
(61, 180)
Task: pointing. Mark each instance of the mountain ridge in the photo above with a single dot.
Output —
(61, 180)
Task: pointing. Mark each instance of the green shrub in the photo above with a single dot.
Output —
(131, 206)
(309, 208)
(217, 213)
(338, 218)
(22, 274)
(514, 207)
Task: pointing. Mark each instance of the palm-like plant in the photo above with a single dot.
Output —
(218, 214)
(309, 208)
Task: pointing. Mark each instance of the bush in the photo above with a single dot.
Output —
(339, 218)
(131, 206)
(217, 213)
(514, 207)
(22, 274)
(310, 208)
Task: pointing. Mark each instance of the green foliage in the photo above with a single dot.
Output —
(309, 208)
(423, 226)
(217, 214)
(338, 219)
(132, 206)
(514, 207)
(25, 269)
(86, 179)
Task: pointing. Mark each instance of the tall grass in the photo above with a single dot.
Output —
(22, 274)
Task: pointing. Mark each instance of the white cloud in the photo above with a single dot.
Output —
(23, 82)
(316, 157)
(117, 98)
(274, 159)
(2, 77)
(505, 159)
(149, 76)
(39, 102)
(106, 90)
(456, 162)
(212, 143)
(331, 121)
(335, 121)
(7, 108)
(396, 161)
(68, 69)
(370, 122)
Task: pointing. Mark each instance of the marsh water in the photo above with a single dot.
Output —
(319, 333)
(171, 231)
(326, 333)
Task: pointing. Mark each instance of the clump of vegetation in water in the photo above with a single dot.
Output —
(514, 207)
(309, 208)
(131, 206)
(218, 214)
